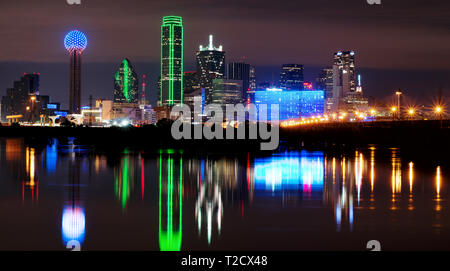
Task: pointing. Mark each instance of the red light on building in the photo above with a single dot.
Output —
(307, 85)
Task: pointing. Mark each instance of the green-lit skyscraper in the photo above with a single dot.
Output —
(171, 60)
(126, 85)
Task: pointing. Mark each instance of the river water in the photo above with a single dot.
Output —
(64, 196)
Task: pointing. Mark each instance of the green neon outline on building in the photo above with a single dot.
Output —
(171, 22)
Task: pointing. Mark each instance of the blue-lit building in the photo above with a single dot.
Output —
(293, 104)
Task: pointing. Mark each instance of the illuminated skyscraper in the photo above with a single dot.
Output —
(126, 85)
(75, 43)
(291, 77)
(226, 91)
(252, 84)
(171, 91)
(240, 71)
(17, 98)
(210, 65)
(325, 81)
(345, 61)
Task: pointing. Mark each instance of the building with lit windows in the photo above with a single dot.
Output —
(240, 71)
(226, 91)
(325, 82)
(293, 104)
(345, 63)
(126, 85)
(291, 77)
(190, 82)
(17, 98)
(24, 102)
(171, 91)
(210, 65)
(252, 84)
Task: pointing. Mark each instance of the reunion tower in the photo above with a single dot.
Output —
(75, 42)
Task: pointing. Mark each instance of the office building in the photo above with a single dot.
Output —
(345, 63)
(240, 71)
(171, 91)
(126, 85)
(226, 91)
(252, 85)
(191, 82)
(23, 99)
(293, 104)
(75, 43)
(291, 77)
(210, 65)
(325, 82)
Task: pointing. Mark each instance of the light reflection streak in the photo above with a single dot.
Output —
(372, 170)
(396, 179)
(411, 185)
(290, 172)
(411, 176)
(170, 230)
(358, 174)
(209, 205)
(438, 181)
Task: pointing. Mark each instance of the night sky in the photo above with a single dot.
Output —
(399, 44)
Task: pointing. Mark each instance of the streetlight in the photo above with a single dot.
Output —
(438, 110)
(393, 109)
(372, 112)
(398, 93)
(411, 112)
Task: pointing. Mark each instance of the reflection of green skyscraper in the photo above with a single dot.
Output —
(171, 60)
(170, 202)
(126, 85)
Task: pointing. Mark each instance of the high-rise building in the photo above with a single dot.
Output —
(226, 91)
(291, 77)
(171, 91)
(190, 82)
(252, 85)
(345, 62)
(75, 43)
(210, 65)
(240, 71)
(17, 98)
(23, 99)
(126, 85)
(325, 81)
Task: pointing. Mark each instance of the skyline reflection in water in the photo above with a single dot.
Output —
(67, 194)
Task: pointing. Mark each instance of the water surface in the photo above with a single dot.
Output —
(63, 195)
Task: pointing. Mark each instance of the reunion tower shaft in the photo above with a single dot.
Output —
(75, 42)
(75, 82)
